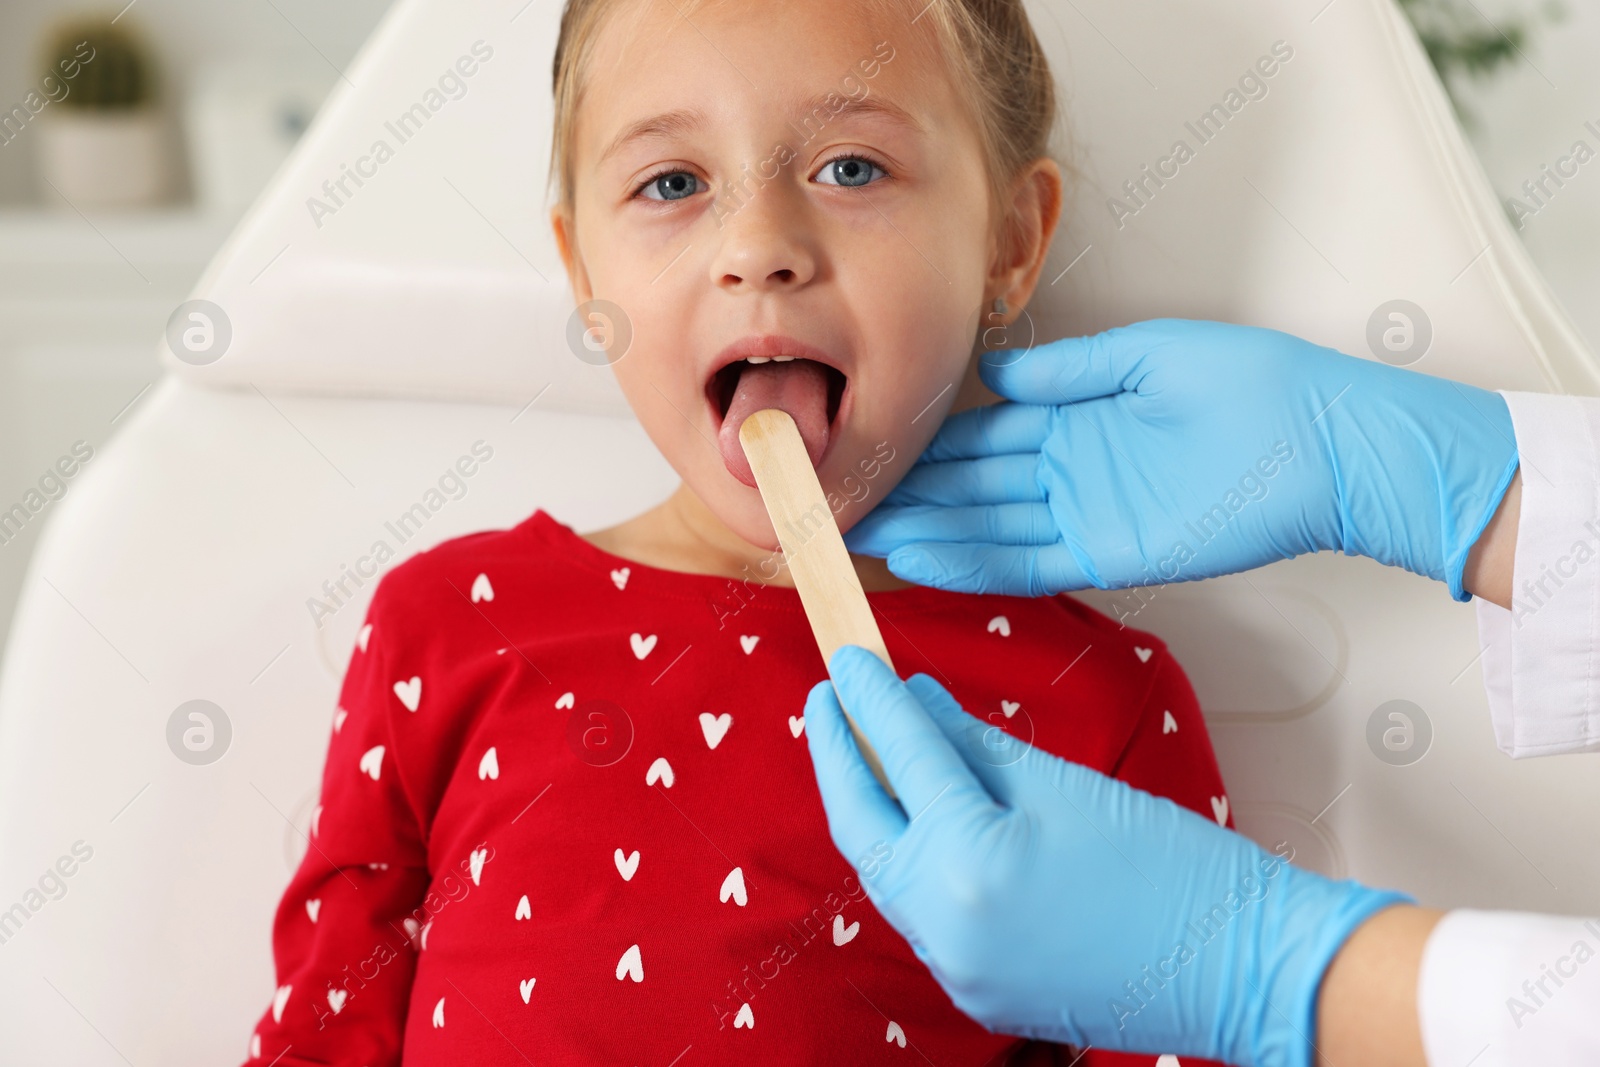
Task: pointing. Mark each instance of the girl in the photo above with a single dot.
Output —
(568, 814)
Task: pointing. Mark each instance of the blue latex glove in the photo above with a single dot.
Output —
(1174, 450)
(1053, 902)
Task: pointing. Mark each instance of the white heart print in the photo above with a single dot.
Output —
(336, 999)
(489, 765)
(733, 886)
(1143, 653)
(364, 636)
(1219, 808)
(526, 985)
(475, 864)
(339, 717)
(524, 909)
(316, 817)
(1169, 725)
(660, 771)
(372, 762)
(748, 642)
(626, 865)
(565, 700)
(641, 644)
(1001, 623)
(797, 723)
(744, 1017)
(438, 1014)
(279, 999)
(715, 727)
(255, 1045)
(895, 1034)
(481, 589)
(1009, 707)
(631, 964)
(842, 934)
(313, 907)
(619, 577)
(410, 693)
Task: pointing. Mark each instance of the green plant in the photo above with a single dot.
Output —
(112, 69)
(1463, 44)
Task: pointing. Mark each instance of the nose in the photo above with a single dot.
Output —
(766, 244)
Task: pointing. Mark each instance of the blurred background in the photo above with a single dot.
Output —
(132, 139)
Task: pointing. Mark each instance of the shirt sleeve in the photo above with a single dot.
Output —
(1541, 659)
(350, 923)
(1169, 751)
(1510, 989)
(1169, 754)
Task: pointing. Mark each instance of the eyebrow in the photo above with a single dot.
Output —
(688, 120)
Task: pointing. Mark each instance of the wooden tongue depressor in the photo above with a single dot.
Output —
(829, 588)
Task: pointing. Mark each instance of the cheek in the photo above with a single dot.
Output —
(922, 314)
(918, 343)
(659, 389)
(919, 324)
(640, 383)
(913, 382)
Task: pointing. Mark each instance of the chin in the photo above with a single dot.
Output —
(744, 512)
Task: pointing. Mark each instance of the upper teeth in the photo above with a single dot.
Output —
(763, 359)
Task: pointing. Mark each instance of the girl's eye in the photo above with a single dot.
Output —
(671, 185)
(849, 171)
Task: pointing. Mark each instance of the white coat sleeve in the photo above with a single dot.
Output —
(1510, 989)
(1541, 659)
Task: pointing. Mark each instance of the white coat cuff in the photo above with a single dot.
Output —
(1541, 659)
(1510, 989)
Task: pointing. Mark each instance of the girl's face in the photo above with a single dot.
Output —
(801, 171)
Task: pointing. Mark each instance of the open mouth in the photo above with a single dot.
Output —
(723, 384)
(810, 390)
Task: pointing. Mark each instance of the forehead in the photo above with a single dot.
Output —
(737, 59)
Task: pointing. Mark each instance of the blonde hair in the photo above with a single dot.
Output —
(990, 44)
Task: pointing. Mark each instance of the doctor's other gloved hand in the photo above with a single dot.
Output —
(1055, 903)
(1174, 450)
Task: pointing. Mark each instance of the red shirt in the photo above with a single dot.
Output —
(568, 816)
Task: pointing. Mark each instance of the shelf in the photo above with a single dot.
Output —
(37, 235)
(49, 256)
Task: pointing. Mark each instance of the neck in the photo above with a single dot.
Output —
(682, 534)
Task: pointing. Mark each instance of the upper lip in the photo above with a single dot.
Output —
(769, 345)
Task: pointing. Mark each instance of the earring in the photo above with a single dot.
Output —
(999, 305)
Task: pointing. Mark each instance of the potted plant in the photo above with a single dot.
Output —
(1464, 45)
(104, 144)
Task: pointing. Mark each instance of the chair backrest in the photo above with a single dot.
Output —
(378, 333)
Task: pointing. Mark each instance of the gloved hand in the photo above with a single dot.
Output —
(1174, 450)
(1053, 902)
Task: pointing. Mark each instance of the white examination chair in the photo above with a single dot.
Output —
(373, 345)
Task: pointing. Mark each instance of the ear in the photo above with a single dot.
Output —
(582, 292)
(1017, 256)
(1024, 239)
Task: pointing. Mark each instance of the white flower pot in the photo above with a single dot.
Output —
(106, 159)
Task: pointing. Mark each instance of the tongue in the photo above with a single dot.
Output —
(798, 386)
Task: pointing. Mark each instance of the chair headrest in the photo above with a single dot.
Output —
(1232, 159)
